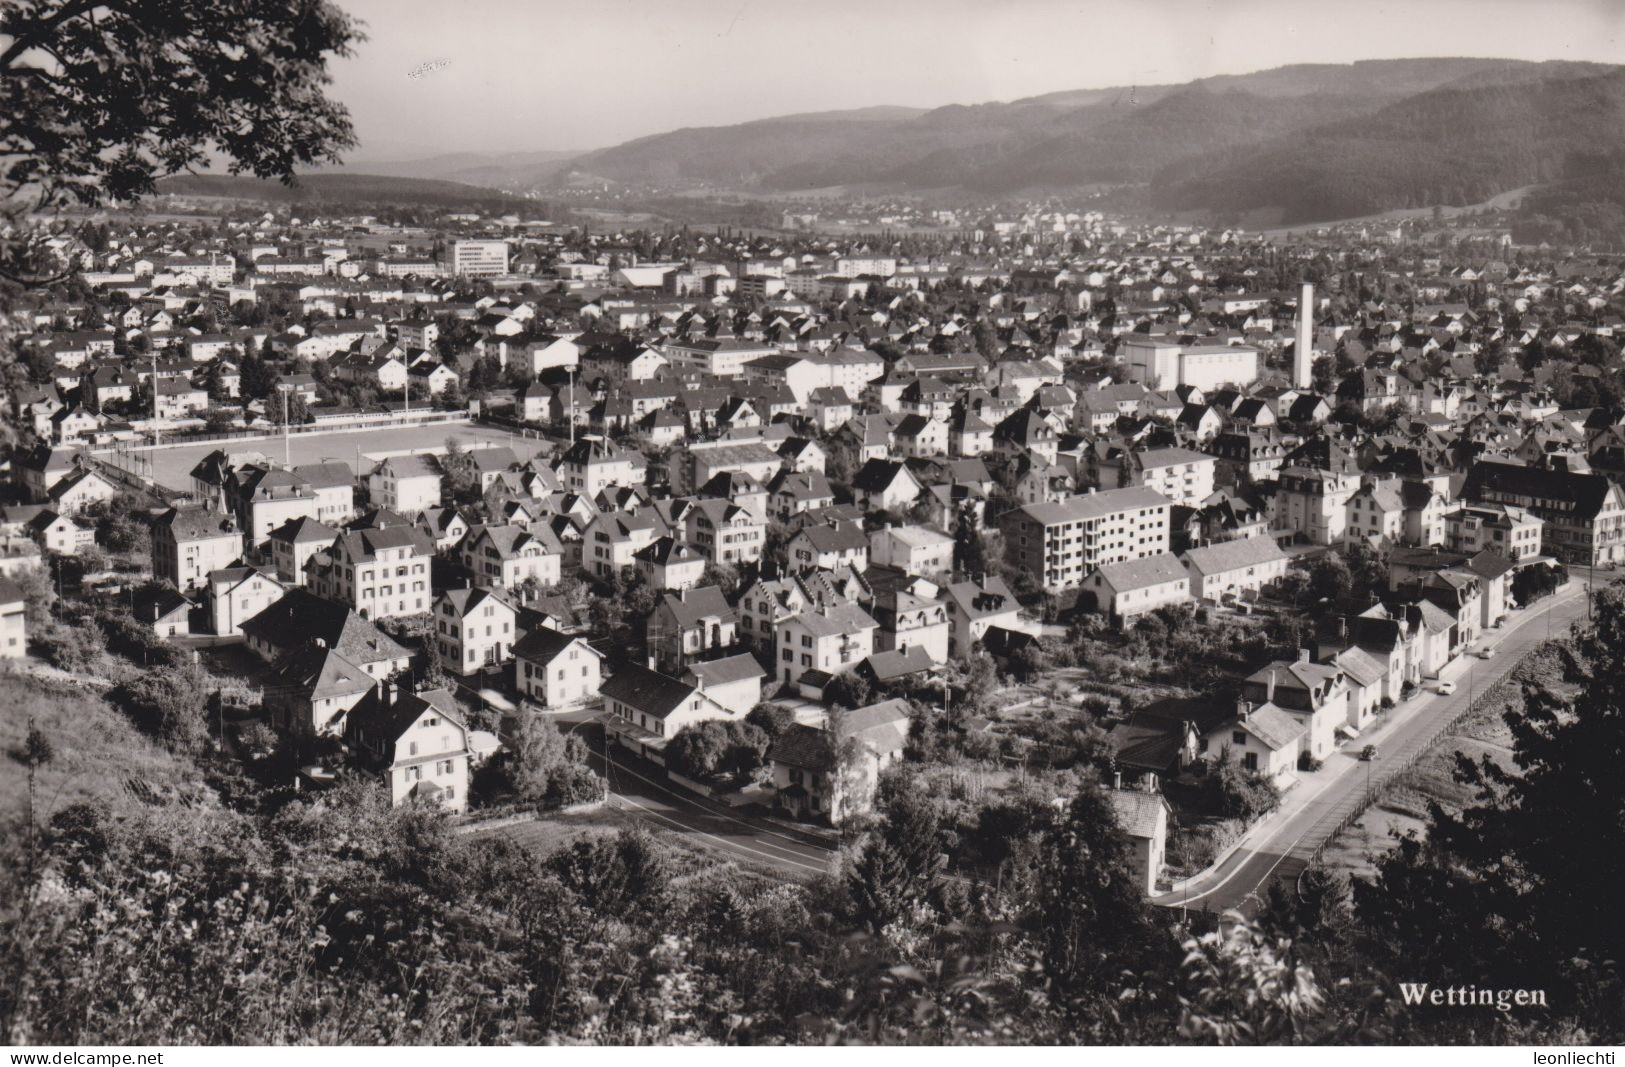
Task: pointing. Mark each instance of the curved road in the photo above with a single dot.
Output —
(639, 787)
(1288, 841)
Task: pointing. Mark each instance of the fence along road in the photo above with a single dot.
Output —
(1239, 882)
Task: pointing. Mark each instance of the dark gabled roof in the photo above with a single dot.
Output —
(693, 606)
(320, 671)
(192, 524)
(542, 644)
(648, 691)
(1585, 492)
(890, 665)
(300, 615)
(877, 475)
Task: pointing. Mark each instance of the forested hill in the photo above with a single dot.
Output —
(1445, 146)
(1317, 141)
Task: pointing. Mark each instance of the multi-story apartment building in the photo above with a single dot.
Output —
(479, 258)
(378, 572)
(1314, 502)
(188, 543)
(1512, 531)
(1181, 475)
(833, 639)
(502, 557)
(1063, 543)
(594, 464)
(1584, 514)
(725, 358)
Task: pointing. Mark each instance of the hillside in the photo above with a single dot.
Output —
(335, 188)
(492, 169)
(1276, 138)
(1445, 146)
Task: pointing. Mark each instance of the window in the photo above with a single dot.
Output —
(1238, 737)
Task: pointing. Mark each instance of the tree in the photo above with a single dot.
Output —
(1093, 922)
(297, 411)
(771, 719)
(100, 100)
(256, 377)
(459, 481)
(546, 766)
(716, 747)
(1495, 887)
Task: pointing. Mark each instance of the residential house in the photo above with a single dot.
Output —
(474, 630)
(1123, 591)
(832, 773)
(556, 670)
(691, 624)
(237, 594)
(417, 743)
(189, 542)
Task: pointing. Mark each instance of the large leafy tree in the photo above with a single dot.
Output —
(100, 100)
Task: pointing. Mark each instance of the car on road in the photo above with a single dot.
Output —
(1369, 752)
(1486, 653)
(1446, 688)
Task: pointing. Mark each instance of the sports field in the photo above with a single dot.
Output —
(173, 466)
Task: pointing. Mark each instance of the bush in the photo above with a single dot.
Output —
(1241, 794)
(1306, 762)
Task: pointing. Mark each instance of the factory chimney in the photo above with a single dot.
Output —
(1303, 351)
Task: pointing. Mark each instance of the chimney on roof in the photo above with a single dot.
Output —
(1305, 654)
(1150, 784)
(1269, 688)
(1244, 709)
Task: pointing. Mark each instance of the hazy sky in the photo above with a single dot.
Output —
(543, 74)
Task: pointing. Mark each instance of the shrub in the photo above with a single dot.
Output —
(1242, 794)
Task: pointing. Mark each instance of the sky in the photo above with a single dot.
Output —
(522, 75)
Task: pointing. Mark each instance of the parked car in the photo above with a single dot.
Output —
(1446, 688)
(1486, 653)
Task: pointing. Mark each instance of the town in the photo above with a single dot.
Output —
(515, 519)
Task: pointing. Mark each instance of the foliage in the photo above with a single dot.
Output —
(543, 766)
(1241, 987)
(771, 719)
(1530, 584)
(717, 747)
(1492, 891)
(171, 703)
(1241, 794)
(98, 101)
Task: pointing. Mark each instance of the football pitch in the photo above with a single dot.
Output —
(172, 466)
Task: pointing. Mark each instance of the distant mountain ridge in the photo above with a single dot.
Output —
(1275, 138)
(337, 188)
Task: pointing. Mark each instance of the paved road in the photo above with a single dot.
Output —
(1286, 848)
(638, 787)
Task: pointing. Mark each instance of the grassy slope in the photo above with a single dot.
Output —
(97, 751)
